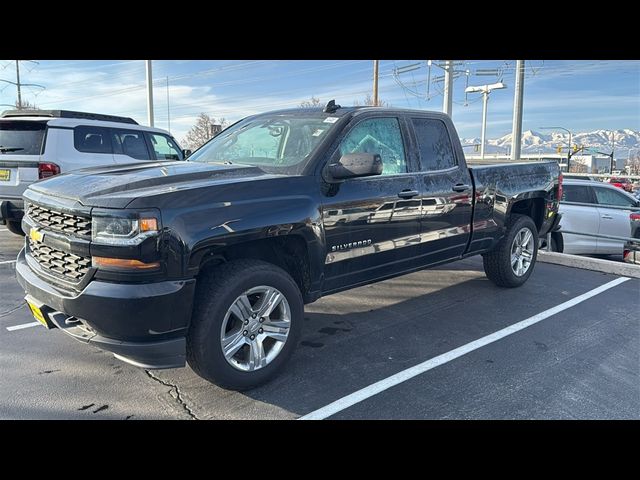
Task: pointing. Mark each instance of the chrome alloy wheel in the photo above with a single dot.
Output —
(522, 252)
(255, 328)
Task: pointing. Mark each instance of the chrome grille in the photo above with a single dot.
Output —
(59, 221)
(71, 266)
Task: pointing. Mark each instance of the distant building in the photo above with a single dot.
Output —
(596, 163)
(579, 163)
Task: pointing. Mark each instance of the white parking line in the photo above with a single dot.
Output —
(24, 325)
(6, 262)
(434, 362)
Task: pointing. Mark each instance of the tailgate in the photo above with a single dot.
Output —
(16, 175)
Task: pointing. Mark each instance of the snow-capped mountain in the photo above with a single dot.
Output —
(534, 141)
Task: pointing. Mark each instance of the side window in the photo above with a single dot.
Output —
(164, 147)
(131, 143)
(608, 196)
(92, 139)
(434, 144)
(576, 193)
(378, 135)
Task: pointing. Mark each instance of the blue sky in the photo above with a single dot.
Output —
(581, 95)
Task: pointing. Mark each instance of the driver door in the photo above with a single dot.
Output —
(372, 224)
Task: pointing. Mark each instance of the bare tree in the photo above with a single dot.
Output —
(206, 128)
(368, 101)
(312, 102)
(26, 105)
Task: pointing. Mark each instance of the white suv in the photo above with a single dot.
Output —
(36, 144)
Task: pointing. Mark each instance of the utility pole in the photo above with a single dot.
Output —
(447, 105)
(168, 110)
(149, 93)
(518, 97)
(18, 84)
(485, 90)
(376, 65)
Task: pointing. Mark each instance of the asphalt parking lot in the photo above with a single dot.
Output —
(580, 363)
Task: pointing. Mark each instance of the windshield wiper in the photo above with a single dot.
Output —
(4, 149)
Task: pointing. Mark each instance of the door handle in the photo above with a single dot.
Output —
(607, 217)
(461, 187)
(408, 193)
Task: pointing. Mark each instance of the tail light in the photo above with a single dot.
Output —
(47, 169)
(634, 216)
(560, 187)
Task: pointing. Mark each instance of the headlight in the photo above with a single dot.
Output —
(112, 230)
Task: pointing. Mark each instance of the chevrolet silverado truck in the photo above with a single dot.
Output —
(210, 261)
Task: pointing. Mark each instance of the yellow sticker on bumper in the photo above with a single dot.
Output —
(37, 314)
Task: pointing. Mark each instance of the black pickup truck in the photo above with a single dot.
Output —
(211, 260)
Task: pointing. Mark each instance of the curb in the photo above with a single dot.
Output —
(588, 263)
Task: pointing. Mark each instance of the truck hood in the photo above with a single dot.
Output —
(118, 185)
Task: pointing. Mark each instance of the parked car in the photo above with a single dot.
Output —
(572, 176)
(632, 249)
(623, 183)
(212, 260)
(37, 144)
(595, 208)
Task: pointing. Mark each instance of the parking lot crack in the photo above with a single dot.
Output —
(4, 314)
(178, 394)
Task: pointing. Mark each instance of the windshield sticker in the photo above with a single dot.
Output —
(331, 119)
(317, 133)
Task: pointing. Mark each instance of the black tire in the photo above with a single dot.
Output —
(15, 227)
(497, 263)
(216, 290)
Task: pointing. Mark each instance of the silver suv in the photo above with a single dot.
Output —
(37, 144)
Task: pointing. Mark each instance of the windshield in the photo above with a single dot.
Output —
(21, 138)
(276, 143)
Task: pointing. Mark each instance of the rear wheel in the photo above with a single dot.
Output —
(511, 262)
(246, 323)
(15, 227)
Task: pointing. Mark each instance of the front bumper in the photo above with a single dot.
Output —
(143, 324)
(11, 209)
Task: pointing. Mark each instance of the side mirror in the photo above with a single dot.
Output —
(353, 165)
(186, 153)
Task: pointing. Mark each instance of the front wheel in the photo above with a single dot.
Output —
(246, 323)
(511, 262)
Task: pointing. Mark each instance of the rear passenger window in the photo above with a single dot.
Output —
(576, 193)
(92, 139)
(434, 144)
(131, 143)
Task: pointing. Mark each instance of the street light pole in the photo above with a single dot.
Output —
(149, 92)
(570, 141)
(485, 90)
(483, 135)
